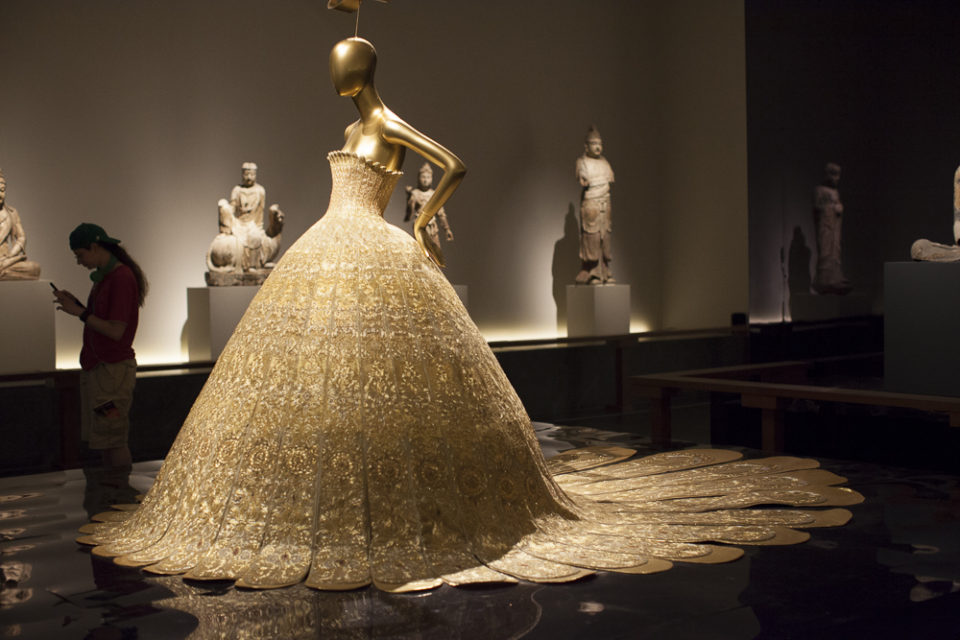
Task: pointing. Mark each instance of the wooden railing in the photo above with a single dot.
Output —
(770, 387)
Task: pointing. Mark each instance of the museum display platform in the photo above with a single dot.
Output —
(892, 572)
(27, 341)
(921, 319)
(814, 307)
(212, 315)
(598, 310)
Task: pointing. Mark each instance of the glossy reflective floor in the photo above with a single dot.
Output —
(893, 572)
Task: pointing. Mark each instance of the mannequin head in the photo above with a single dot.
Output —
(352, 63)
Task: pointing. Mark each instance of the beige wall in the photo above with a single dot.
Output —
(701, 118)
(137, 115)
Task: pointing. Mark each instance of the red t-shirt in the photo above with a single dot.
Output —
(113, 298)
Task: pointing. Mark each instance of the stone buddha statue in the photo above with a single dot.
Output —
(13, 258)
(245, 250)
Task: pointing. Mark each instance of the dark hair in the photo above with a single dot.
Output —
(121, 254)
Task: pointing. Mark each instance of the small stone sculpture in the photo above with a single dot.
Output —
(827, 215)
(929, 251)
(244, 251)
(417, 197)
(595, 176)
(13, 258)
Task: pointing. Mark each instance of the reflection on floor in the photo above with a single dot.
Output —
(893, 572)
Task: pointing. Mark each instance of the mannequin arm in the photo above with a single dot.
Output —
(399, 132)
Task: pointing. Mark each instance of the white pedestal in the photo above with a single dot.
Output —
(598, 310)
(212, 315)
(921, 349)
(28, 340)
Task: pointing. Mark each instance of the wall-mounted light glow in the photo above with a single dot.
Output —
(68, 357)
(767, 318)
(514, 334)
(639, 325)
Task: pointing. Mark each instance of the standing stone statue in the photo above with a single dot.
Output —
(417, 197)
(827, 215)
(595, 176)
(13, 258)
(245, 250)
(929, 251)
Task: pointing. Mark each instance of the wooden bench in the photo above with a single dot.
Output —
(770, 387)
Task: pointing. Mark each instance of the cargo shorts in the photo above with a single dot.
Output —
(106, 393)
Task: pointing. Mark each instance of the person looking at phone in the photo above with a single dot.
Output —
(107, 358)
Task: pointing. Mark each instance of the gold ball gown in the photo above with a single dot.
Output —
(357, 429)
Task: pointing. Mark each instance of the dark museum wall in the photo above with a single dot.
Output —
(871, 86)
(138, 115)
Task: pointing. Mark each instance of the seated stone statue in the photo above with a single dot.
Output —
(13, 258)
(929, 251)
(245, 250)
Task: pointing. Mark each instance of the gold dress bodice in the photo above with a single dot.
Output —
(357, 429)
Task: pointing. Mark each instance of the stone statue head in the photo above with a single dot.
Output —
(248, 174)
(831, 174)
(593, 144)
(352, 63)
(425, 177)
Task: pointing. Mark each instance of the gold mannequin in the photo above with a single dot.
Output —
(378, 441)
(381, 136)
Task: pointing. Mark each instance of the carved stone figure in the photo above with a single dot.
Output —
(595, 176)
(245, 250)
(827, 215)
(929, 251)
(418, 196)
(13, 258)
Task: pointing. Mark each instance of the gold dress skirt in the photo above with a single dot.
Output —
(357, 429)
